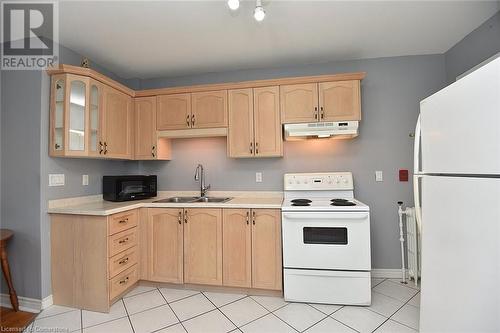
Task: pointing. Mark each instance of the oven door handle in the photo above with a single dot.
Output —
(326, 216)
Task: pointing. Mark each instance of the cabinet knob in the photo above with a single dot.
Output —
(322, 113)
(123, 221)
(256, 148)
(123, 261)
(105, 148)
(180, 217)
(251, 147)
(187, 120)
(101, 149)
(123, 281)
(248, 217)
(253, 217)
(57, 146)
(185, 216)
(123, 241)
(153, 151)
(192, 120)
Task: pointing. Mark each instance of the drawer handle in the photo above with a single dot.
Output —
(123, 261)
(121, 241)
(123, 281)
(123, 221)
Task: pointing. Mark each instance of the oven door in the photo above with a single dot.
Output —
(326, 240)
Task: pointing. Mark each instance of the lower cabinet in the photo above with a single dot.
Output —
(165, 246)
(252, 248)
(203, 246)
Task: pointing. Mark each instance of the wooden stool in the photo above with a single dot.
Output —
(5, 235)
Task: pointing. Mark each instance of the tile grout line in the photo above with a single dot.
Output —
(179, 299)
(296, 330)
(389, 318)
(175, 314)
(352, 328)
(216, 307)
(239, 299)
(128, 316)
(281, 307)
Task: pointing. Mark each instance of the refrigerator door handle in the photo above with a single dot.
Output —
(416, 148)
(416, 198)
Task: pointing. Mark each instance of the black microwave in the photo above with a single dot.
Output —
(125, 188)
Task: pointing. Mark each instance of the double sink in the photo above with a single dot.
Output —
(193, 200)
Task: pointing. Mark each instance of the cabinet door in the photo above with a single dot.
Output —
(237, 248)
(77, 116)
(145, 128)
(268, 139)
(209, 109)
(340, 101)
(118, 140)
(299, 103)
(58, 98)
(240, 134)
(203, 246)
(266, 249)
(96, 147)
(174, 112)
(165, 238)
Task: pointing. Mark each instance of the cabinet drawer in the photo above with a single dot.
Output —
(122, 282)
(122, 241)
(122, 221)
(122, 261)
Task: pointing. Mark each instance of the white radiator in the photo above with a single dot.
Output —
(413, 244)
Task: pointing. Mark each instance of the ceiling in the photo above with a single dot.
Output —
(172, 38)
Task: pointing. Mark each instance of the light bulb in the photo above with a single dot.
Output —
(259, 13)
(233, 4)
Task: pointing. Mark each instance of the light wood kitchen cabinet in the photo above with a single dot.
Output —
(95, 118)
(237, 248)
(240, 135)
(165, 244)
(209, 109)
(117, 124)
(266, 249)
(148, 146)
(299, 103)
(252, 248)
(340, 101)
(174, 112)
(324, 101)
(254, 123)
(94, 259)
(69, 116)
(203, 246)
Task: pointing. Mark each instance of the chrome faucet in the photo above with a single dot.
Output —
(199, 175)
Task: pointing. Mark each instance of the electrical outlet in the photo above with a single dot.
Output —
(258, 177)
(379, 176)
(85, 180)
(56, 179)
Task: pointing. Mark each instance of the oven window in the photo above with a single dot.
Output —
(314, 235)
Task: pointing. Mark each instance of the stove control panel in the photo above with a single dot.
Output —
(322, 181)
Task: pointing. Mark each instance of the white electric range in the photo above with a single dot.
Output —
(326, 240)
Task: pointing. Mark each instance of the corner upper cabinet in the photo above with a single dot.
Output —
(69, 116)
(254, 123)
(340, 100)
(299, 103)
(117, 124)
(147, 144)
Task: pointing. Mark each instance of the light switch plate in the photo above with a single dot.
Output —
(258, 177)
(56, 179)
(379, 176)
(85, 180)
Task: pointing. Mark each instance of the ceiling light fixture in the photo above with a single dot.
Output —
(233, 4)
(259, 12)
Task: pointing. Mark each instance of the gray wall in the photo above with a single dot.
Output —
(476, 47)
(390, 104)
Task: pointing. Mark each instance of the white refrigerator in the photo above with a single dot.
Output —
(457, 199)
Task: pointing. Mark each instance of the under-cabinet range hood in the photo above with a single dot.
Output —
(334, 130)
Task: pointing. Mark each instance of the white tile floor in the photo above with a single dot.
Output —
(395, 308)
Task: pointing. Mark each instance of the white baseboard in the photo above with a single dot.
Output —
(47, 301)
(25, 303)
(387, 273)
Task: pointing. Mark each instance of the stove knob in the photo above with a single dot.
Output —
(337, 180)
(345, 181)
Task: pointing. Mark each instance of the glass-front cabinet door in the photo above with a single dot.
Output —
(95, 109)
(69, 115)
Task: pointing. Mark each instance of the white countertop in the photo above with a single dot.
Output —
(94, 205)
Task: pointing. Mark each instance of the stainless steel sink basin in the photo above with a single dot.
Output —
(212, 199)
(178, 199)
(192, 200)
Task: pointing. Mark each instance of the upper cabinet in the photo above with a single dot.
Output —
(324, 101)
(147, 144)
(117, 131)
(254, 123)
(299, 103)
(89, 119)
(340, 101)
(192, 110)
